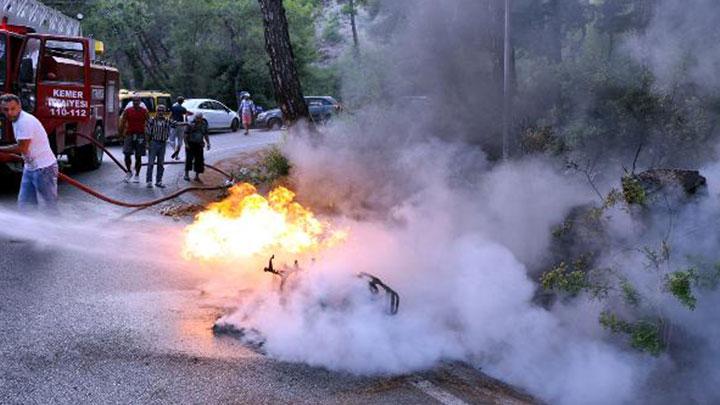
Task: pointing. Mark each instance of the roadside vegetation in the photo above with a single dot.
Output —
(642, 287)
(214, 48)
(271, 168)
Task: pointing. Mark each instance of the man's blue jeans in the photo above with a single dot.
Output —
(156, 153)
(39, 186)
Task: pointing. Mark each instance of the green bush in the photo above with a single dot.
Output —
(560, 279)
(272, 166)
(679, 284)
(633, 191)
(644, 335)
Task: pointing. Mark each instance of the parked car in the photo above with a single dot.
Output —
(149, 98)
(322, 109)
(215, 113)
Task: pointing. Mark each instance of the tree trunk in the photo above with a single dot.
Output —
(238, 52)
(283, 71)
(154, 62)
(138, 77)
(555, 31)
(356, 42)
(555, 28)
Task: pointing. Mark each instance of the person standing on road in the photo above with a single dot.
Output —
(246, 111)
(158, 131)
(178, 114)
(132, 127)
(196, 137)
(40, 172)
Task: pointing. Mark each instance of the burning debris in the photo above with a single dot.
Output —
(374, 283)
(283, 274)
(249, 337)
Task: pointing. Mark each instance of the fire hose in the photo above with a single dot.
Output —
(87, 189)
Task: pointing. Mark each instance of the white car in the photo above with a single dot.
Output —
(217, 115)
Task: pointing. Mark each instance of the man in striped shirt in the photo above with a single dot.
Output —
(157, 132)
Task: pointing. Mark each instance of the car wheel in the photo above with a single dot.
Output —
(274, 124)
(235, 124)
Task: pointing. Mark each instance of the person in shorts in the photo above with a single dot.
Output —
(132, 128)
(246, 111)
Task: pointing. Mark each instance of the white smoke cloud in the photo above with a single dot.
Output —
(457, 256)
(681, 43)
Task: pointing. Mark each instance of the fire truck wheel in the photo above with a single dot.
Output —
(10, 176)
(89, 157)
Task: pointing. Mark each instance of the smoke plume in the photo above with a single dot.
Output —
(681, 43)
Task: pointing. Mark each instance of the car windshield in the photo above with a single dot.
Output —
(63, 61)
(164, 101)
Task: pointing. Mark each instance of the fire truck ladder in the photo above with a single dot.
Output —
(41, 18)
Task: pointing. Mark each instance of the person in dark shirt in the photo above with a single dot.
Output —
(178, 114)
(196, 137)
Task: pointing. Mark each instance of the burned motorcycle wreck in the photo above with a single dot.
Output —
(288, 286)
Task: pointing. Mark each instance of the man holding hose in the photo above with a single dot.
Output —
(40, 172)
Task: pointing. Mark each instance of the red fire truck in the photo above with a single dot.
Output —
(55, 71)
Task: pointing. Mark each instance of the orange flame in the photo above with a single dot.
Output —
(246, 223)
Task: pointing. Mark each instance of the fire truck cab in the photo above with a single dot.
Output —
(59, 80)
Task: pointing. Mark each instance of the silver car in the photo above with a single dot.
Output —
(215, 113)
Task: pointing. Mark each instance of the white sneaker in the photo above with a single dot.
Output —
(136, 179)
(127, 178)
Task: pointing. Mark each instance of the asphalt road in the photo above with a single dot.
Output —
(87, 315)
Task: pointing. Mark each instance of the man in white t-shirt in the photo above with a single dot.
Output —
(40, 173)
